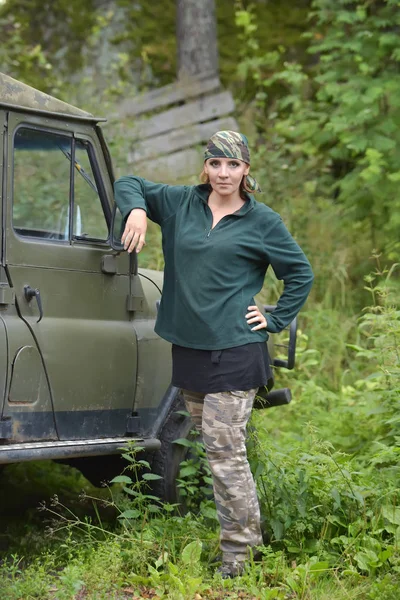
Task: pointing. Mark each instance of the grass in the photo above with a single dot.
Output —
(330, 515)
(164, 557)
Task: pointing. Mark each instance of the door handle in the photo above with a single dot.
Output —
(34, 293)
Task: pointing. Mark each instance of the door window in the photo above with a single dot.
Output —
(41, 184)
(46, 187)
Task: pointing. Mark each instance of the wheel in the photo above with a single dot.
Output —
(97, 469)
(166, 461)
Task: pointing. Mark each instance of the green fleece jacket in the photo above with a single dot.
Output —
(212, 274)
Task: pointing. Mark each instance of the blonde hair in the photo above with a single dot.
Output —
(204, 178)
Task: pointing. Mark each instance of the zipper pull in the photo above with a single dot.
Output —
(208, 234)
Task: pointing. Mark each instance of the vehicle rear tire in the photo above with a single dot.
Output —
(98, 470)
(166, 461)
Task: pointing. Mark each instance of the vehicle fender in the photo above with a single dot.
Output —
(26, 397)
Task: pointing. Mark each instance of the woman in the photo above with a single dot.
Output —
(218, 242)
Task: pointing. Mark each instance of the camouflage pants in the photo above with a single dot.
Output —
(221, 418)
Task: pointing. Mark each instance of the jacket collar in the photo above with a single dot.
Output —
(203, 190)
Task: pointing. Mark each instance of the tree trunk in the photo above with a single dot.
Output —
(196, 37)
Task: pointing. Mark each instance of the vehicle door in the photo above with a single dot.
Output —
(70, 286)
(3, 286)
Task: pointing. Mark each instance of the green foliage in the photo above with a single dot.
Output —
(153, 55)
(42, 42)
(195, 482)
(328, 474)
(22, 581)
(147, 546)
(357, 80)
(387, 588)
(332, 128)
(46, 45)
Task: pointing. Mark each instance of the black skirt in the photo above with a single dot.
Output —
(209, 371)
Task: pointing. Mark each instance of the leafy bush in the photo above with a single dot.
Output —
(329, 481)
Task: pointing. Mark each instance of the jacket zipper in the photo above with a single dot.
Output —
(212, 228)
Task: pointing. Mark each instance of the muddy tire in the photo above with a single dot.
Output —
(98, 470)
(166, 461)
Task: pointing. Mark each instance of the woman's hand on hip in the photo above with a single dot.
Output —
(256, 316)
(135, 230)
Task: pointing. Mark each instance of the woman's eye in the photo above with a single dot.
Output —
(214, 163)
(233, 164)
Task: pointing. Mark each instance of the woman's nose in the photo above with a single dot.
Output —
(223, 171)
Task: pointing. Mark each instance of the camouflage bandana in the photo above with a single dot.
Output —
(231, 144)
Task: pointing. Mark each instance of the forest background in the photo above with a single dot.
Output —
(317, 90)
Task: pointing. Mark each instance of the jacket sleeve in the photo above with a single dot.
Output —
(158, 199)
(290, 265)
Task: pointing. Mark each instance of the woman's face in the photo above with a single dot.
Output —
(225, 174)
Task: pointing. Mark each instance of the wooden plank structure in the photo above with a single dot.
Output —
(172, 124)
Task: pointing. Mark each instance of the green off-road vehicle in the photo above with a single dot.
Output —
(81, 369)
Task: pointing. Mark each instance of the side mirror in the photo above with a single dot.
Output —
(117, 229)
(291, 347)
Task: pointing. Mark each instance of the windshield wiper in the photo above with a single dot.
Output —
(80, 169)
